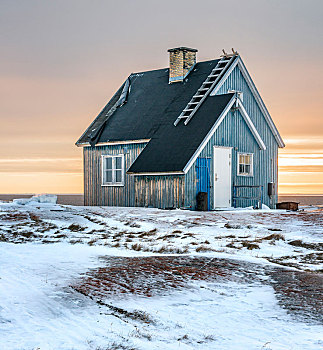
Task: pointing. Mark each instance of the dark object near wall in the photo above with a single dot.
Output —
(287, 205)
(201, 201)
(271, 189)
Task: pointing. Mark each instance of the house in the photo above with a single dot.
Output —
(170, 134)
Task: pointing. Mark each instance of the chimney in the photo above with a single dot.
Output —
(181, 61)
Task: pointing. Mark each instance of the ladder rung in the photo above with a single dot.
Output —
(204, 90)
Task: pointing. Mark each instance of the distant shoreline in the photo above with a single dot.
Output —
(78, 199)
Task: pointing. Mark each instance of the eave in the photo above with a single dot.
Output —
(113, 143)
(158, 173)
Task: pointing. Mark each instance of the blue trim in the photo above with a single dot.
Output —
(189, 71)
(203, 184)
(182, 77)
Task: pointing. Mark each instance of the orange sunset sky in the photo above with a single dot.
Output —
(61, 61)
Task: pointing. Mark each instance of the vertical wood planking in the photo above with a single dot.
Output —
(233, 132)
(152, 191)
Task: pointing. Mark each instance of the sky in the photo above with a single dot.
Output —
(61, 61)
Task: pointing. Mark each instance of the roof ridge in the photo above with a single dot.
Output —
(167, 68)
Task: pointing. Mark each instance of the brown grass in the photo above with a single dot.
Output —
(177, 231)
(149, 233)
(274, 236)
(75, 241)
(250, 245)
(203, 248)
(301, 244)
(76, 228)
(3, 238)
(232, 226)
(136, 247)
(148, 276)
(16, 216)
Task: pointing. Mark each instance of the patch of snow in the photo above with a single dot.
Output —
(38, 309)
(263, 234)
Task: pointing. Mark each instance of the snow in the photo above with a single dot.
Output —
(56, 246)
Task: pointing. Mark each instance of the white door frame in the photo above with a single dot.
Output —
(214, 185)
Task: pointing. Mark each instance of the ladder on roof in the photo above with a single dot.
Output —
(207, 86)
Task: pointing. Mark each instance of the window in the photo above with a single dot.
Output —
(113, 170)
(245, 164)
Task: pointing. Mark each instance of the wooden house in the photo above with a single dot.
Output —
(170, 134)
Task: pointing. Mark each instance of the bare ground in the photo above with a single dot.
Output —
(300, 293)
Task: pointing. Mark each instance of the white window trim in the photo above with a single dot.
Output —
(112, 184)
(251, 167)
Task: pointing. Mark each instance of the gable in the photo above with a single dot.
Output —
(238, 78)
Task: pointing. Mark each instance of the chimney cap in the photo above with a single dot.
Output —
(182, 48)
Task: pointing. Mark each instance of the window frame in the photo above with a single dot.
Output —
(238, 164)
(114, 169)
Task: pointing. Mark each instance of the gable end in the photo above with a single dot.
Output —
(256, 95)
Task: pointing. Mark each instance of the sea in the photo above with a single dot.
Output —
(78, 199)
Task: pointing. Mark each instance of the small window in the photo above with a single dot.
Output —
(113, 170)
(245, 164)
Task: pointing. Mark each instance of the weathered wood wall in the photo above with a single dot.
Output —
(159, 191)
(94, 193)
(143, 191)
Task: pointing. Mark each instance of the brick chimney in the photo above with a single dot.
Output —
(181, 61)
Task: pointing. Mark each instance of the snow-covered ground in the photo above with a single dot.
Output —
(133, 278)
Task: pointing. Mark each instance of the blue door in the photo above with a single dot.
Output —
(203, 166)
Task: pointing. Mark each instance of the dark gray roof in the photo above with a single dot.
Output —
(99, 121)
(151, 109)
(182, 48)
(171, 147)
(152, 101)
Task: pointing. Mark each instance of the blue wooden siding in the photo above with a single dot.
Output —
(233, 132)
(203, 177)
(149, 191)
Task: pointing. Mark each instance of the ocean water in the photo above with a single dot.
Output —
(302, 199)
